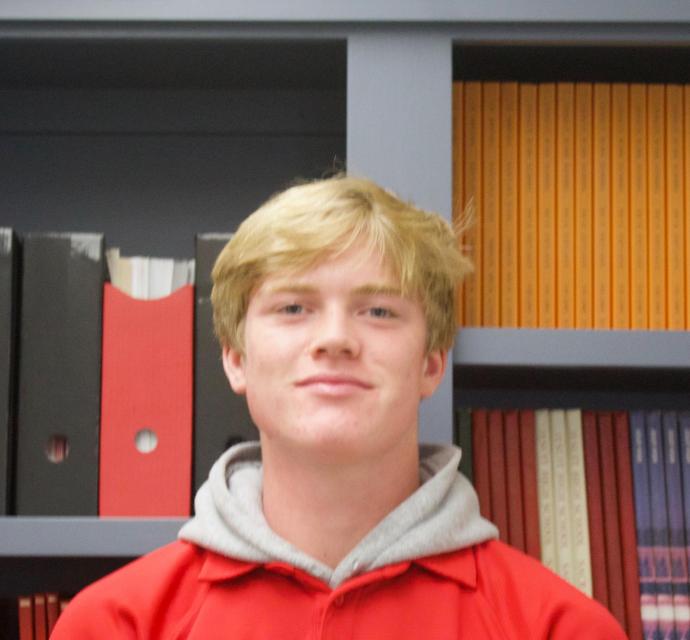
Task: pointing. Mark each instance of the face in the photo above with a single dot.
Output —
(335, 360)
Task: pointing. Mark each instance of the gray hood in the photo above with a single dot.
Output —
(441, 516)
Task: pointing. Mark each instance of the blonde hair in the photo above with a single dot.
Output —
(307, 223)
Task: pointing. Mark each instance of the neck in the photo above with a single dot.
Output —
(325, 508)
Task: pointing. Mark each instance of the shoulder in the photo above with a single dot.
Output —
(142, 594)
(524, 590)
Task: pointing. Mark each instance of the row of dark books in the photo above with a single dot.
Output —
(109, 404)
(602, 498)
(37, 614)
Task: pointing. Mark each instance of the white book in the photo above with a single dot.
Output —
(140, 277)
(547, 531)
(160, 277)
(561, 495)
(579, 521)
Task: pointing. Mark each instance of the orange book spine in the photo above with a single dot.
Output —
(686, 173)
(584, 260)
(472, 192)
(528, 203)
(620, 207)
(675, 223)
(547, 205)
(565, 205)
(656, 172)
(491, 204)
(639, 276)
(509, 223)
(458, 195)
(602, 206)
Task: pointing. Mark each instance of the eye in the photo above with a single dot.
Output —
(291, 309)
(381, 312)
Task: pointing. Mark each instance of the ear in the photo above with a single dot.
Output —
(233, 364)
(434, 370)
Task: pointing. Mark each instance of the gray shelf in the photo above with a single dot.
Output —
(563, 348)
(64, 537)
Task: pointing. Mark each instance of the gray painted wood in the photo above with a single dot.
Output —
(399, 134)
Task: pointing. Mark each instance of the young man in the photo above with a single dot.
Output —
(334, 309)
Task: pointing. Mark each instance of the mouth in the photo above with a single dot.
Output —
(334, 384)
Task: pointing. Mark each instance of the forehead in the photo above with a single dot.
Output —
(354, 267)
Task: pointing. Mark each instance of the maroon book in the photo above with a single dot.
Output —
(480, 455)
(597, 546)
(530, 499)
(497, 472)
(516, 516)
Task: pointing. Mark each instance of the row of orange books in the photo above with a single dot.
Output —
(580, 200)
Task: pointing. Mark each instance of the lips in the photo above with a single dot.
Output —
(330, 381)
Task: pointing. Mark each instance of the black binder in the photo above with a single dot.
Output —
(9, 312)
(221, 417)
(58, 410)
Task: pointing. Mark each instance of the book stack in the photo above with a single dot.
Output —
(604, 502)
(580, 209)
(37, 615)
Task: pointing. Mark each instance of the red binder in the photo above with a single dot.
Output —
(146, 388)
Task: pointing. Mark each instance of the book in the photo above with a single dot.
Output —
(686, 180)
(490, 212)
(52, 610)
(684, 455)
(530, 500)
(9, 317)
(481, 461)
(659, 518)
(595, 513)
(639, 255)
(221, 417)
(561, 496)
(577, 491)
(40, 617)
(457, 171)
(462, 437)
(601, 206)
(497, 473)
(514, 491)
(620, 208)
(472, 193)
(528, 207)
(565, 205)
(546, 177)
(147, 392)
(584, 259)
(676, 289)
(25, 607)
(509, 213)
(626, 518)
(676, 527)
(639, 452)
(58, 408)
(612, 536)
(545, 490)
(656, 212)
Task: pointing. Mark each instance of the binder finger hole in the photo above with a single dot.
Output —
(146, 440)
(57, 449)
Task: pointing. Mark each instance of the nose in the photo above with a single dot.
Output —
(334, 335)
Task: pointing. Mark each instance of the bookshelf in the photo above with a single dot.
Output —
(225, 103)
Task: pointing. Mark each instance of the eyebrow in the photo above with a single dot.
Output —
(363, 290)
